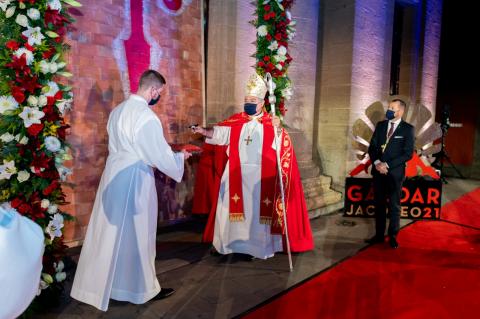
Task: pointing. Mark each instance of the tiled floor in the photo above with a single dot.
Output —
(224, 287)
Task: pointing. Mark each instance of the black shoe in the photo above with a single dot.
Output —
(164, 293)
(393, 242)
(375, 240)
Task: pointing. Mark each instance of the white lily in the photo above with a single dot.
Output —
(7, 169)
(4, 4)
(31, 115)
(34, 35)
(54, 228)
(7, 102)
(51, 89)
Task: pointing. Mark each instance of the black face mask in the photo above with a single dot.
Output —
(154, 101)
(250, 108)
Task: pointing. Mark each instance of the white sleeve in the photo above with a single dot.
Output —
(221, 136)
(152, 147)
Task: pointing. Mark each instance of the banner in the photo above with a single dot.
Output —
(421, 199)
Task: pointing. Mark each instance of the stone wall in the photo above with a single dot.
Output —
(98, 88)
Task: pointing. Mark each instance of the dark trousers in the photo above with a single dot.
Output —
(387, 187)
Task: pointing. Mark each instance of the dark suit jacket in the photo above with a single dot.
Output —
(399, 149)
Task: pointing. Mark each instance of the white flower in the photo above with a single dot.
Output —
(273, 46)
(44, 67)
(279, 66)
(44, 203)
(4, 4)
(288, 14)
(262, 30)
(55, 5)
(31, 115)
(64, 105)
(10, 12)
(28, 55)
(32, 100)
(23, 141)
(59, 267)
(23, 176)
(7, 102)
(7, 137)
(51, 89)
(60, 276)
(41, 286)
(53, 67)
(287, 93)
(42, 100)
(7, 169)
(54, 228)
(52, 209)
(34, 35)
(22, 20)
(33, 14)
(280, 58)
(282, 51)
(52, 144)
(63, 172)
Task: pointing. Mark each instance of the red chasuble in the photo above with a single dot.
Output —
(214, 161)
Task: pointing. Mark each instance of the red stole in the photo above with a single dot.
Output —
(270, 197)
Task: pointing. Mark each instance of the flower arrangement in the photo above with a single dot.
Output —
(275, 28)
(33, 101)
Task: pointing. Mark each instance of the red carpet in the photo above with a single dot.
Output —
(465, 210)
(434, 274)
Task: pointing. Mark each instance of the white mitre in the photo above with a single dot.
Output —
(256, 86)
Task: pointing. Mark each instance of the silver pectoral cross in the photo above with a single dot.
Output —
(248, 140)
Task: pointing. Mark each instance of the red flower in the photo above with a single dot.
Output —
(18, 94)
(54, 17)
(261, 64)
(35, 129)
(266, 58)
(49, 53)
(269, 37)
(12, 45)
(29, 83)
(270, 67)
(16, 202)
(19, 65)
(29, 47)
(50, 188)
(50, 114)
(267, 7)
(62, 131)
(278, 37)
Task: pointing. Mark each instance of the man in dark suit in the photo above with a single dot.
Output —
(391, 147)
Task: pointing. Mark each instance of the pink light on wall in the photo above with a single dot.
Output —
(134, 48)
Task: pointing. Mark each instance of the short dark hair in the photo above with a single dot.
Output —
(151, 78)
(402, 102)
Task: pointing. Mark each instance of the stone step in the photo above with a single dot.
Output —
(325, 199)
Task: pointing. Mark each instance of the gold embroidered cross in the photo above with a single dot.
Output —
(235, 198)
(248, 140)
(267, 201)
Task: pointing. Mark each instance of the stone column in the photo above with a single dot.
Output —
(230, 46)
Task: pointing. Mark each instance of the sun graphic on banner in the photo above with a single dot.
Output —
(426, 134)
